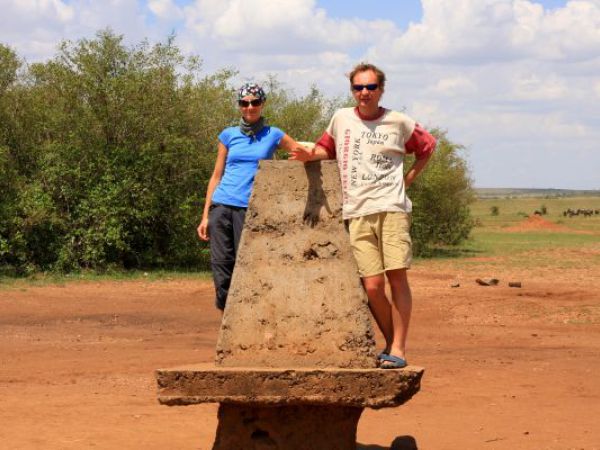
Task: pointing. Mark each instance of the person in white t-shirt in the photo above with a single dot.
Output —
(369, 143)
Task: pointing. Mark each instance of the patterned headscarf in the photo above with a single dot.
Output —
(252, 89)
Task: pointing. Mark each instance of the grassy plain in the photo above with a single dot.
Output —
(491, 238)
(512, 211)
(60, 279)
(500, 236)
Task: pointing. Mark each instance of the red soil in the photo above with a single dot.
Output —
(505, 368)
(536, 222)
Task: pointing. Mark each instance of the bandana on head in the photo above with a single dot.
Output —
(252, 89)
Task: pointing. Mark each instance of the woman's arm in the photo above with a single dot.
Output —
(215, 179)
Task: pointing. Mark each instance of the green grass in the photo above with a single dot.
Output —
(579, 242)
(513, 210)
(46, 278)
(495, 243)
(540, 193)
(525, 249)
(489, 239)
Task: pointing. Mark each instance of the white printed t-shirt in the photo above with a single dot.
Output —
(370, 156)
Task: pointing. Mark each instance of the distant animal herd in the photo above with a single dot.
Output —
(580, 212)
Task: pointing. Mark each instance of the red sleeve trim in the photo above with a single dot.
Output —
(421, 143)
(328, 143)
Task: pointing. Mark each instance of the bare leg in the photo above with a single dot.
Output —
(401, 309)
(380, 306)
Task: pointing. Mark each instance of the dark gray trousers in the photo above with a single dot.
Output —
(225, 225)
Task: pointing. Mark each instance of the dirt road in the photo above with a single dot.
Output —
(506, 368)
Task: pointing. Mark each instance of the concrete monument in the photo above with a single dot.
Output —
(296, 359)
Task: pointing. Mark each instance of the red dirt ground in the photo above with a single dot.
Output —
(505, 368)
(537, 223)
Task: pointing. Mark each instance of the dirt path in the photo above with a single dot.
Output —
(506, 368)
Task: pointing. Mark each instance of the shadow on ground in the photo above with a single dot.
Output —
(400, 443)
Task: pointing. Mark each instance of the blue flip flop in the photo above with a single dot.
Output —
(382, 354)
(392, 362)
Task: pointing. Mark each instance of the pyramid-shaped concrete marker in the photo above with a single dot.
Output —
(296, 361)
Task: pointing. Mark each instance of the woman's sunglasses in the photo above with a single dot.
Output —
(369, 87)
(246, 103)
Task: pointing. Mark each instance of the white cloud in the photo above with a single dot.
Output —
(165, 9)
(453, 86)
(504, 77)
(55, 10)
(508, 78)
(292, 39)
(468, 31)
(121, 15)
(570, 33)
(285, 26)
(532, 87)
(597, 88)
(35, 27)
(33, 14)
(425, 110)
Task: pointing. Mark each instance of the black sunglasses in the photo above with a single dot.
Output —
(246, 103)
(360, 87)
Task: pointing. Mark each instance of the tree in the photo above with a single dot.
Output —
(106, 151)
(304, 118)
(441, 196)
(9, 64)
(12, 243)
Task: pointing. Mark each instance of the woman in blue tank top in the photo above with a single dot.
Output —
(229, 188)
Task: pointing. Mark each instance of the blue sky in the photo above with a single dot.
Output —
(517, 82)
(402, 12)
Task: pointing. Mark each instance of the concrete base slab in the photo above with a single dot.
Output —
(287, 427)
(205, 383)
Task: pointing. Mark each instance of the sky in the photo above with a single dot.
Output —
(516, 82)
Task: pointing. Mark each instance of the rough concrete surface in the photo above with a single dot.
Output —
(295, 298)
(373, 388)
(293, 427)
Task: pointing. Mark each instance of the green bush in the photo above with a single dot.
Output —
(441, 196)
